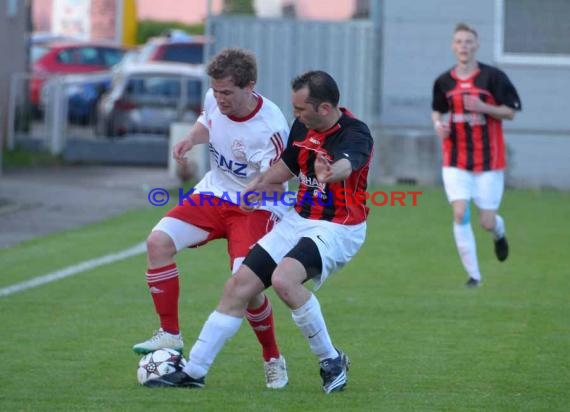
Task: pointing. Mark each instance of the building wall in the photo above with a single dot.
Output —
(185, 11)
(194, 11)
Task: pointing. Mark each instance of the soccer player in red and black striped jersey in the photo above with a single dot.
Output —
(477, 98)
(330, 150)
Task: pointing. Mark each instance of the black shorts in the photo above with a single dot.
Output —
(305, 251)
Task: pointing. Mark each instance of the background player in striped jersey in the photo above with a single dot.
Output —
(328, 148)
(478, 97)
(246, 133)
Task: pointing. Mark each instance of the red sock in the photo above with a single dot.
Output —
(164, 288)
(261, 321)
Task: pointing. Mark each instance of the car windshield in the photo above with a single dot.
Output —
(164, 86)
(184, 53)
(92, 56)
(111, 56)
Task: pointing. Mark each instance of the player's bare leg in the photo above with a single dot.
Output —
(492, 222)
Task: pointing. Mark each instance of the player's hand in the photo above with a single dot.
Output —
(442, 130)
(473, 103)
(323, 168)
(251, 196)
(180, 149)
(251, 201)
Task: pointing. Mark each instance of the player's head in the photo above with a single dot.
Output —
(315, 98)
(465, 43)
(233, 73)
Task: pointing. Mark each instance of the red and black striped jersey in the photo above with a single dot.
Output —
(476, 141)
(337, 202)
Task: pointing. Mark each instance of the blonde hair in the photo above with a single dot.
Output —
(465, 27)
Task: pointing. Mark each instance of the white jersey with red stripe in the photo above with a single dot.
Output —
(241, 148)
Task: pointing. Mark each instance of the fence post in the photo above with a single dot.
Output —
(11, 125)
(59, 113)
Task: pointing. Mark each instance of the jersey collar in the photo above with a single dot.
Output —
(253, 113)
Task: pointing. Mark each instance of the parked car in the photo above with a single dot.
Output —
(174, 46)
(82, 92)
(70, 58)
(39, 41)
(148, 97)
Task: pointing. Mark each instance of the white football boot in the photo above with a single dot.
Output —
(276, 373)
(160, 340)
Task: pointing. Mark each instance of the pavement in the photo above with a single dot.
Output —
(40, 201)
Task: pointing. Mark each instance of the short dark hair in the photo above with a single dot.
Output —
(322, 87)
(239, 64)
(465, 27)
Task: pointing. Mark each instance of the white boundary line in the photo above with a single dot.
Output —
(73, 270)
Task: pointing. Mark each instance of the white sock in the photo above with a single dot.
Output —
(309, 319)
(465, 241)
(499, 230)
(215, 332)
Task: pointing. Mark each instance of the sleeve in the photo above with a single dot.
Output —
(209, 104)
(356, 146)
(504, 92)
(439, 101)
(272, 149)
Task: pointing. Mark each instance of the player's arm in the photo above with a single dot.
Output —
(439, 107)
(198, 134)
(270, 181)
(272, 178)
(475, 104)
(439, 125)
(353, 152)
(328, 172)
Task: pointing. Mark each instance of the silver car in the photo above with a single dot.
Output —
(148, 97)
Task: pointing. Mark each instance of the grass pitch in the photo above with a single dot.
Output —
(418, 340)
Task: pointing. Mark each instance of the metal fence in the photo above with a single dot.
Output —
(285, 48)
(67, 109)
(46, 119)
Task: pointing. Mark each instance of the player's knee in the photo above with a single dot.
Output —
(462, 216)
(240, 290)
(159, 245)
(281, 284)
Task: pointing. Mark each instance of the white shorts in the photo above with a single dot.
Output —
(337, 243)
(485, 188)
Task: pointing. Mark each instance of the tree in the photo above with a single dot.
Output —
(238, 7)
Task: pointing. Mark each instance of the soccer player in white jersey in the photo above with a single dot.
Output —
(246, 134)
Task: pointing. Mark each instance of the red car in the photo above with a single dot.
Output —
(69, 58)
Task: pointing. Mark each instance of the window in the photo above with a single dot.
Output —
(533, 32)
(154, 86)
(111, 56)
(79, 55)
(184, 53)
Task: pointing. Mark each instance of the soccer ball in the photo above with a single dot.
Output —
(158, 363)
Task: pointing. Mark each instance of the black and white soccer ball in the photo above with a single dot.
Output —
(158, 363)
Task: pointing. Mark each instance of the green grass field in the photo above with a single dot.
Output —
(418, 340)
